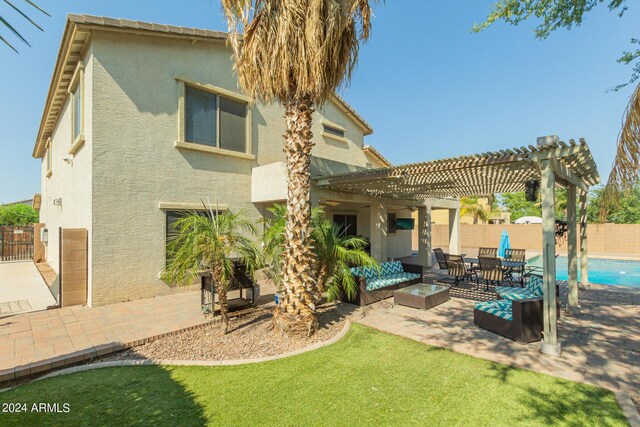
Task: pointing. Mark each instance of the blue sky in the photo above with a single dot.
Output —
(428, 86)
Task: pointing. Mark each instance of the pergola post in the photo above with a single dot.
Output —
(584, 253)
(572, 250)
(424, 236)
(378, 231)
(454, 231)
(550, 343)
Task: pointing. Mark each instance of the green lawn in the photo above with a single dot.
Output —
(368, 378)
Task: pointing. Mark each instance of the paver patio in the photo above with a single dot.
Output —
(36, 342)
(600, 346)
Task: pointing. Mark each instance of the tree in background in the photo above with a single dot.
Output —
(627, 210)
(11, 28)
(566, 14)
(519, 206)
(296, 52)
(469, 206)
(18, 214)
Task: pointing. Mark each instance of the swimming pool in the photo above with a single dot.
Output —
(601, 271)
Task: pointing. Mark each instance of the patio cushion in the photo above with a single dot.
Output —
(534, 285)
(511, 294)
(370, 273)
(392, 279)
(355, 271)
(500, 308)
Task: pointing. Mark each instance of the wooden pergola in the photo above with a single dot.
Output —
(550, 161)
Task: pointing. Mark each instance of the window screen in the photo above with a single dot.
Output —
(200, 116)
(233, 127)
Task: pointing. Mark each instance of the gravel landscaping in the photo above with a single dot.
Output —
(250, 336)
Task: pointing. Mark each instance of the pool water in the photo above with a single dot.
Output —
(601, 271)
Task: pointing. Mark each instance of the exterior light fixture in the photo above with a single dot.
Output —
(531, 190)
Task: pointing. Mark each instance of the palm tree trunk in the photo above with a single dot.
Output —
(295, 313)
(223, 300)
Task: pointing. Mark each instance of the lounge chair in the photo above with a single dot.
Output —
(532, 289)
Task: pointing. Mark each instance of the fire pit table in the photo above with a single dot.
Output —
(422, 296)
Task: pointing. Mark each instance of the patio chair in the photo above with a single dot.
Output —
(457, 268)
(491, 271)
(519, 255)
(441, 258)
(488, 252)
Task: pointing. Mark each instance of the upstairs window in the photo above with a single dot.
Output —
(48, 157)
(76, 94)
(215, 120)
(77, 112)
(333, 130)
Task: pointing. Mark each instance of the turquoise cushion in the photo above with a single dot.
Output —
(356, 271)
(392, 279)
(500, 308)
(534, 285)
(387, 268)
(509, 293)
(370, 273)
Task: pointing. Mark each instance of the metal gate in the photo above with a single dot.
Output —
(16, 243)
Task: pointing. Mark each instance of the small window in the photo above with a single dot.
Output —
(214, 120)
(48, 160)
(369, 165)
(332, 130)
(348, 224)
(77, 112)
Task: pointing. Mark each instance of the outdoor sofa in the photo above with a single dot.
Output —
(518, 316)
(375, 285)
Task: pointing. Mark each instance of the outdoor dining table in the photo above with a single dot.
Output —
(511, 265)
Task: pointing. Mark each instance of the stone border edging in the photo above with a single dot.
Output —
(233, 362)
(628, 408)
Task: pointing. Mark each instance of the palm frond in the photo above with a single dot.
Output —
(25, 15)
(296, 49)
(10, 27)
(624, 174)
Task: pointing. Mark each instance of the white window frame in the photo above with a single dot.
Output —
(219, 92)
(77, 83)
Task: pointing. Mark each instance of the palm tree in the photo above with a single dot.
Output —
(10, 27)
(296, 52)
(211, 243)
(334, 254)
(469, 206)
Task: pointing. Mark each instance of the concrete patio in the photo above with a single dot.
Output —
(600, 346)
(22, 288)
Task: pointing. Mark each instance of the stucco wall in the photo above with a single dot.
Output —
(137, 166)
(69, 181)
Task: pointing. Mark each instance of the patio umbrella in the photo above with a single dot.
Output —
(504, 243)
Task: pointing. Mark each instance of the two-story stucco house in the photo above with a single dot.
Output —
(143, 122)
